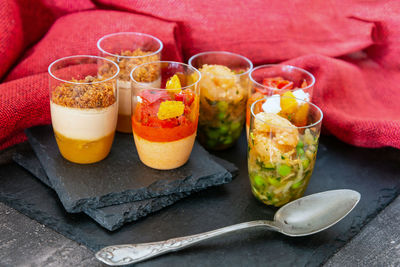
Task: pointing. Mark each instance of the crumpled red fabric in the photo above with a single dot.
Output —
(352, 48)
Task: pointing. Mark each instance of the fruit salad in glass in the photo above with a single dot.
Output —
(282, 148)
(279, 79)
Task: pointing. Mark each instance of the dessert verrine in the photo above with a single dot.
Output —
(224, 88)
(83, 111)
(164, 121)
(128, 50)
(283, 142)
(279, 79)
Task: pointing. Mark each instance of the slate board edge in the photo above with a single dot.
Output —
(118, 198)
(153, 205)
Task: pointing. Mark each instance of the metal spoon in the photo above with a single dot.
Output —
(304, 216)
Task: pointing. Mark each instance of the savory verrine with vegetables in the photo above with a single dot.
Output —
(224, 89)
(223, 100)
(283, 142)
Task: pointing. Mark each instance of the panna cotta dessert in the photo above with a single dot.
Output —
(84, 117)
(126, 61)
(164, 124)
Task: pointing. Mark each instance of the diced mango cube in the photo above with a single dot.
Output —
(288, 105)
(170, 109)
(173, 84)
(300, 117)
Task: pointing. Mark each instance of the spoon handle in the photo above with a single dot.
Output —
(133, 253)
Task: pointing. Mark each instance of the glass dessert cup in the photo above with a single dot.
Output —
(282, 148)
(83, 106)
(224, 88)
(164, 118)
(279, 79)
(128, 50)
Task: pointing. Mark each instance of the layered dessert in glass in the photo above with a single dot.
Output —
(224, 88)
(282, 148)
(84, 107)
(128, 50)
(279, 79)
(164, 118)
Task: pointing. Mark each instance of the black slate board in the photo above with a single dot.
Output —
(121, 177)
(372, 172)
(113, 217)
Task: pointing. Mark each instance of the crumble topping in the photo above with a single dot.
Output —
(88, 95)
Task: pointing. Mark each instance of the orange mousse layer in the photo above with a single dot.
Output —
(84, 151)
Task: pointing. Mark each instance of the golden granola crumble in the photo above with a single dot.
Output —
(89, 95)
(149, 74)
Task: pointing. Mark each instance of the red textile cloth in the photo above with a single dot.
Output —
(352, 47)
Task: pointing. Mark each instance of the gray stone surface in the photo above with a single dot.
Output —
(24, 242)
(378, 244)
(131, 180)
(338, 166)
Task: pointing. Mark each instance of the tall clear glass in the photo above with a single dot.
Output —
(128, 50)
(83, 106)
(283, 143)
(165, 117)
(224, 88)
(279, 79)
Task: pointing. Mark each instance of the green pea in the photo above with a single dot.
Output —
(300, 144)
(259, 180)
(300, 152)
(221, 116)
(223, 129)
(235, 126)
(273, 181)
(213, 134)
(297, 185)
(222, 106)
(305, 162)
(284, 170)
(228, 140)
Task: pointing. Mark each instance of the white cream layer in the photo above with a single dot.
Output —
(125, 94)
(164, 155)
(84, 123)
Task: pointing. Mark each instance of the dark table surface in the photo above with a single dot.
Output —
(24, 242)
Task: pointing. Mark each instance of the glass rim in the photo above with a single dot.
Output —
(82, 56)
(294, 126)
(131, 33)
(224, 53)
(160, 62)
(284, 65)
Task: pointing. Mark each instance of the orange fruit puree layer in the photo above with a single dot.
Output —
(84, 151)
(159, 134)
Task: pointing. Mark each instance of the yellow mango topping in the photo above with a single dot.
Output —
(288, 105)
(300, 117)
(173, 84)
(170, 109)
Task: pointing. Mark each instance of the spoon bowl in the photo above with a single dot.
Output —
(314, 213)
(304, 216)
